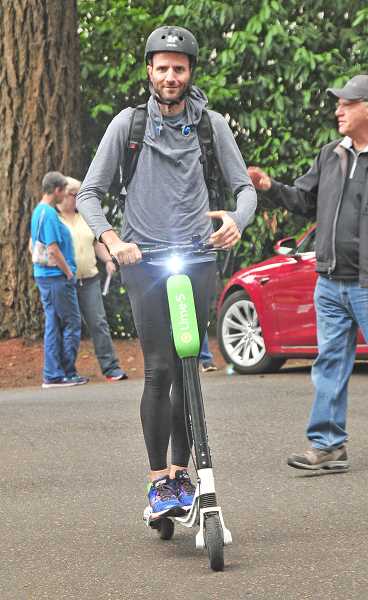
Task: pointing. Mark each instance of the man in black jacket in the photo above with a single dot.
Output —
(334, 192)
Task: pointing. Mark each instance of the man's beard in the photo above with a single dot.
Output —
(156, 94)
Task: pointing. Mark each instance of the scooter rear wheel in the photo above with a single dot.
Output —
(214, 540)
(166, 528)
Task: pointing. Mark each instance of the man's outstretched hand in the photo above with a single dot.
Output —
(228, 234)
(260, 179)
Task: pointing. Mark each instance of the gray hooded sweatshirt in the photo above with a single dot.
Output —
(167, 198)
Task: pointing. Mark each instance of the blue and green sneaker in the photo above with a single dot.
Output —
(185, 489)
(162, 496)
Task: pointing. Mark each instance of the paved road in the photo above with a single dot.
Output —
(72, 477)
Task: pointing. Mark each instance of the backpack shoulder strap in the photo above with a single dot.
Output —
(211, 169)
(205, 137)
(135, 142)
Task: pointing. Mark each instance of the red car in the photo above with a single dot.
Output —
(266, 313)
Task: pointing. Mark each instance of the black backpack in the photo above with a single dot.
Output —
(218, 196)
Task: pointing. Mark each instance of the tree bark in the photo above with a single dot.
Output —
(40, 132)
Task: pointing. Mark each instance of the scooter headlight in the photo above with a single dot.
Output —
(175, 263)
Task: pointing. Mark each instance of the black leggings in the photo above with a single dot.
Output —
(162, 404)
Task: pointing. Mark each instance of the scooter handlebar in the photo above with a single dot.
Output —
(181, 249)
(194, 248)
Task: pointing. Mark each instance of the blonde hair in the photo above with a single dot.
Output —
(72, 184)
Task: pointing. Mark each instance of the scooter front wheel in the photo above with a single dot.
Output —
(214, 541)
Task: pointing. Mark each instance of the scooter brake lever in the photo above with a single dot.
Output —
(115, 261)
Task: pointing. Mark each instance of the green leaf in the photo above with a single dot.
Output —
(101, 108)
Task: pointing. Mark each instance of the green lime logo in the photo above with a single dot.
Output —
(182, 312)
(186, 337)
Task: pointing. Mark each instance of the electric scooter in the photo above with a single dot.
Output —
(205, 511)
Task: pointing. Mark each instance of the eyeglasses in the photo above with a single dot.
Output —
(74, 194)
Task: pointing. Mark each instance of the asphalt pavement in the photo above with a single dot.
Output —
(72, 493)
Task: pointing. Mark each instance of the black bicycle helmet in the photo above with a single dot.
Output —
(170, 38)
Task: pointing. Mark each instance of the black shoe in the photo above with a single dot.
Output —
(116, 375)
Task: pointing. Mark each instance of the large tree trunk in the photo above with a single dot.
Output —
(39, 124)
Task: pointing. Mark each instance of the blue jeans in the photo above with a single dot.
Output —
(205, 355)
(62, 326)
(341, 307)
(93, 313)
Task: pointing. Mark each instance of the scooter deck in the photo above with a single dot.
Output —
(153, 519)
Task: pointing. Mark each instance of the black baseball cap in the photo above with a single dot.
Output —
(355, 89)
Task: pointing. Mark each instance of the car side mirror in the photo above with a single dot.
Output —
(286, 246)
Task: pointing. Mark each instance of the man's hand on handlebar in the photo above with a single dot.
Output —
(228, 235)
(125, 253)
(122, 253)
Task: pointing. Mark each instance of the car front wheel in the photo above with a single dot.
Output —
(240, 337)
